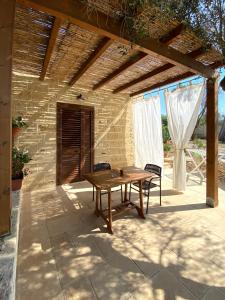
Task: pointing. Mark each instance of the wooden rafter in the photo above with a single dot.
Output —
(171, 36)
(75, 12)
(218, 64)
(193, 54)
(52, 39)
(196, 53)
(167, 39)
(124, 67)
(144, 77)
(102, 47)
(163, 83)
(186, 75)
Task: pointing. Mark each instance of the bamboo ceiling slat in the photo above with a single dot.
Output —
(74, 45)
(31, 34)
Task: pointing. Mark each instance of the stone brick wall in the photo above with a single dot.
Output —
(36, 102)
(221, 170)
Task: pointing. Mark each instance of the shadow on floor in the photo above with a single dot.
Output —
(113, 265)
(175, 208)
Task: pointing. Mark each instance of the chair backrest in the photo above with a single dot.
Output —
(101, 167)
(153, 169)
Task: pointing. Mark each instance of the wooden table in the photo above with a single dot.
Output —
(106, 180)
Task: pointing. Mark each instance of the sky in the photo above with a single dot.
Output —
(221, 99)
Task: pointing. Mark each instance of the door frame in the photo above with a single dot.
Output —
(62, 105)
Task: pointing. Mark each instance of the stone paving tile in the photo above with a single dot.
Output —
(112, 283)
(166, 286)
(74, 262)
(65, 251)
(80, 289)
(213, 293)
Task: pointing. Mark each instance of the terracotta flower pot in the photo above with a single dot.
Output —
(16, 184)
(15, 131)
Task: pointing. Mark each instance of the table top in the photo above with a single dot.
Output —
(111, 178)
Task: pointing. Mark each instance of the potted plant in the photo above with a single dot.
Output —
(17, 124)
(19, 158)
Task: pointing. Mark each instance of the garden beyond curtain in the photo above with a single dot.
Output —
(148, 132)
(182, 107)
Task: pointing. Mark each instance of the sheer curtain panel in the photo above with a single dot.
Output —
(148, 131)
(182, 106)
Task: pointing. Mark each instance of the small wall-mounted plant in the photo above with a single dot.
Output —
(19, 122)
(19, 159)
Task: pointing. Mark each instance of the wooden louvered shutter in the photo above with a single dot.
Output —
(86, 141)
(75, 133)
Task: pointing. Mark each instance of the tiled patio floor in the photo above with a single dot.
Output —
(178, 252)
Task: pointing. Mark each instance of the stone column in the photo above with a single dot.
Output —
(7, 13)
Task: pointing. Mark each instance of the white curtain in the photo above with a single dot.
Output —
(182, 110)
(148, 131)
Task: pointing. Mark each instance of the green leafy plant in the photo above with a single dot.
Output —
(167, 147)
(199, 143)
(165, 130)
(19, 122)
(19, 159)
(137, 16)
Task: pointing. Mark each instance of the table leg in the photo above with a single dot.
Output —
(109, 211)
(125, 193)
(97, 202)
(141, 208)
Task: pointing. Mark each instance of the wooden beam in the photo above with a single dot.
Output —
(218, 64)
(171, 36)
(7, 14)
(212, 142)
(144, 77)
(164, 83)
(75, 12)
(102, 47)
(51, 43)
(168, 39)
(193, 54)
(196, 53)
(121, 69)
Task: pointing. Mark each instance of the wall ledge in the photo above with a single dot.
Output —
(8, 252)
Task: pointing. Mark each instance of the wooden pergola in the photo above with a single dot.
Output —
(172, 55)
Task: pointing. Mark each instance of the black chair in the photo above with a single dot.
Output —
(147, 185)
(102, 167)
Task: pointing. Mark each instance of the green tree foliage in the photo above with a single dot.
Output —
(165, 130)
(205, 17)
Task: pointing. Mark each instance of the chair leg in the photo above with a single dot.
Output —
(130, 193)
(148, 201)
(121, 190)
(160, 193)
(100, 200)
(93, 194)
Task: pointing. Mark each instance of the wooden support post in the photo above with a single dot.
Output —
(6, 37)
(212, 143)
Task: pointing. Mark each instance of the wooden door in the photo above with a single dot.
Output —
(75, 141)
